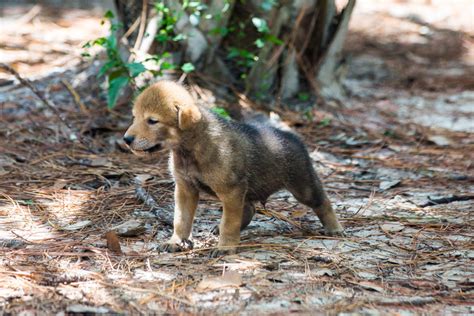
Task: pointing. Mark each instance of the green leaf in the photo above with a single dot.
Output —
(187, 67)
(100, 41)
(226, 7)
(273, 39)
(223, 31)
(194, 19)
(111, 42)
(268, 4)
(260, 24)
(116, 26)
(179, 37)
(116, 85)
(162, 36)
(135, 69)
(303, 96)
(194, 4)
(221, 112)
(166, 65)
(324, 122)
(106, 67)
(259, 43)
(234, 52)
(109, 15)
(119, 72)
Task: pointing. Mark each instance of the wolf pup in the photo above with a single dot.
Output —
(238, 163)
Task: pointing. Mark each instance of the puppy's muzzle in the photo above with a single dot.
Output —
(128, 139)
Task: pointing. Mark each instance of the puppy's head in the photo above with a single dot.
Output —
(160, 114)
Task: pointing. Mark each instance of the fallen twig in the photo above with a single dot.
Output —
(446, 200)
(75, 96)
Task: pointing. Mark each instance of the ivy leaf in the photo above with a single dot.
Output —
(166, 65)
(221, 112)
(325, 122)
(116, 85)
(179, 37)
(194, 19)
(100, 41)
(106, 67)
(260, 24)
(259, 43)
(268, 4)
(109, 15)
(187, 67)
(135, 69)
(303, 96)
(273, 39)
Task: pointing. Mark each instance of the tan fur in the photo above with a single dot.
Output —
(238, 163)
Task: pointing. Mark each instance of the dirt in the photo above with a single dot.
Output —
(396, 158)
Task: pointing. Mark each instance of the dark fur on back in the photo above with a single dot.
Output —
(267, 158)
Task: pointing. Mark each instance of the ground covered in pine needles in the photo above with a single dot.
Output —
(78, 213)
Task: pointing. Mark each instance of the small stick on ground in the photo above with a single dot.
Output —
(160, 213)
(75, 96)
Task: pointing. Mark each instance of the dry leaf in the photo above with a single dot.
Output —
(392, 227)
(100, 162)
(299, 213)
(142, 178)
(323, 272)
(130, 228)
(229, 279)
(59, 184)
(113, 243)
(370, 286)
(77, 226)
(385, 185)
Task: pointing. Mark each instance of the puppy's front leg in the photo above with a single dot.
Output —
(186, 198)
(229, 229)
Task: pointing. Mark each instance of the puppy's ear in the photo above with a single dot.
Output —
(188, 116)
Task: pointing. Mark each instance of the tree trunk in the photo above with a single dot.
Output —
(296, 47)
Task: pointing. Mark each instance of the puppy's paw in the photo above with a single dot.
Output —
(184, 245)
(335, 233)
(220, 252)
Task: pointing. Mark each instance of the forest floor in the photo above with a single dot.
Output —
(396, 158)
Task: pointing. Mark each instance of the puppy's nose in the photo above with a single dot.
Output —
(128, 139)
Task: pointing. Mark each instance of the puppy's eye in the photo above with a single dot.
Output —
(151, 121)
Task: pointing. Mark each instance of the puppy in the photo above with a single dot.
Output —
(238, 163)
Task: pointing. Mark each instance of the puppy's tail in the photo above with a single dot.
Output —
(273, 120)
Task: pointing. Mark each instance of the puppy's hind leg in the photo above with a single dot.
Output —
(308, 190)
(186, 200)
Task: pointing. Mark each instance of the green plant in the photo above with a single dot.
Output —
(303, 96)
(120, 73)
(325, 122)
(221, 112)
(264, 30)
